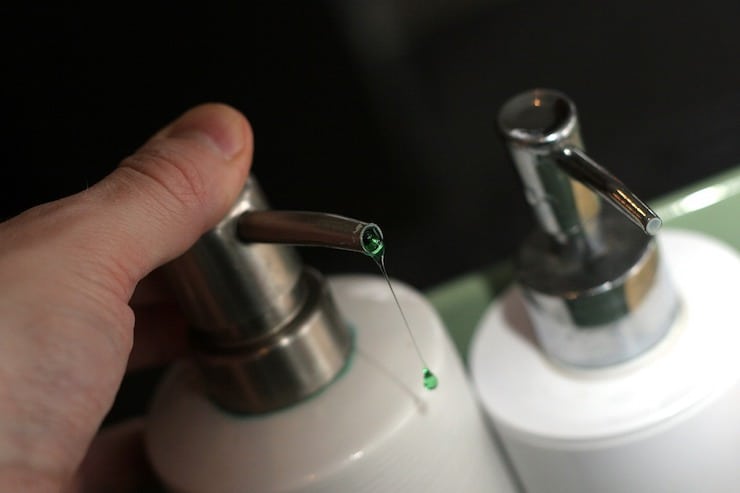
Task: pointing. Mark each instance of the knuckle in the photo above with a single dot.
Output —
(171, 178)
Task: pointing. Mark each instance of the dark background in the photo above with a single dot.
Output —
(379, 109)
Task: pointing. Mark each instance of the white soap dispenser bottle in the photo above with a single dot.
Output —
(304, 386)
(611, 365)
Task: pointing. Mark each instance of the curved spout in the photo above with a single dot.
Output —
(562, 183)
(584, 169)
(310, 229)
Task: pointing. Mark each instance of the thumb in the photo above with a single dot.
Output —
(162, 198)
(152, 207)
(67, 271)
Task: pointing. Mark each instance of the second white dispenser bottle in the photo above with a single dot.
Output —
(611, 366)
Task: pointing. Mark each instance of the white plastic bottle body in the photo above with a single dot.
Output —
(665, 422)
(375, 429)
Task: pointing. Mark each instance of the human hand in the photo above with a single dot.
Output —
(68, 270)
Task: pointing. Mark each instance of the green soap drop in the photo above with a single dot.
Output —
(430, 379)
(372, 241)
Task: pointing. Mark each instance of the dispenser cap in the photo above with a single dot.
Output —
(593, 282)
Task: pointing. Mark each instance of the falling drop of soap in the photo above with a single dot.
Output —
(430, 379)
(371, 239)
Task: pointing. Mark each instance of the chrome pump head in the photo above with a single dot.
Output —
(265, 330)
(593, 283)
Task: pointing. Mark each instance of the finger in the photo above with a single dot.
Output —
(161, 199)
(151, 208)
(67, 271)
(116, 461)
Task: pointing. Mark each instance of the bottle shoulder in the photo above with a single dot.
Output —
(375, 416)
(694, 363)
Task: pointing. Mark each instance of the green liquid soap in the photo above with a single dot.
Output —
(430, 379)
(372, 244)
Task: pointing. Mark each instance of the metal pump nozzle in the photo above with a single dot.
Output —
(302, 228)
(265, 329)
(592, 281)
